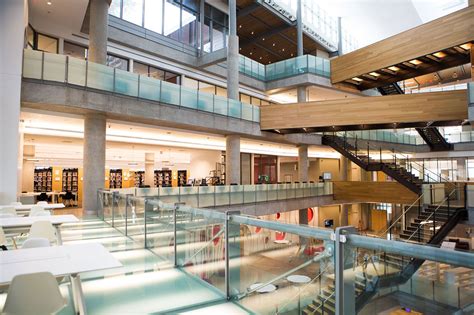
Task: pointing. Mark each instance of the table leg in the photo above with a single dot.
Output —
(78, 295)
(58, 235)
(74, 298)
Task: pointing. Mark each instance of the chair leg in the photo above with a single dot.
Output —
(14, 242)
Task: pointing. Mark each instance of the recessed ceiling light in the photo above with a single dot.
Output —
(393, 68)
(415, 62)
(374, 74)
(357, 79)
(251, 32)
(49, 3)
(466, 46)
(439, 54)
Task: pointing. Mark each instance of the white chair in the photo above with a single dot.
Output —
(39, 203)
(34, 242)
(37, 211)
(34, 293)
(43, 229)
(8, 211)
(15, 203)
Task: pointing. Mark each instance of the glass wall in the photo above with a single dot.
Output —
(265, 169)
(216, 90)
(176, 19)
(157, 73)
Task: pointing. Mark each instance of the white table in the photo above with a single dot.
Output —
(266, 289)
(66, 260)
(298, 280)
(25, 209)
(26, 222)
(54, 194)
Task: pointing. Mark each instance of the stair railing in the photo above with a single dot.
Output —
(397, 158)
(432, 217)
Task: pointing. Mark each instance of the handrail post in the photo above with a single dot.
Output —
(126, 214)
(380, 155)
(144, 222)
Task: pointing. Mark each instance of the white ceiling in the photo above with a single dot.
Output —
(64, 16)
(59, 138)
(370, 21)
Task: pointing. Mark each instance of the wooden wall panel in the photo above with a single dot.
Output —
(389, 192)
(445, 32)
(405, 108)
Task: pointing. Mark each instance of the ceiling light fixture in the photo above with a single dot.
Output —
(393, 68)
(439, 54)
(357, 79)
(49, 3)
(415, 62)
(374, 74)
(466, 46)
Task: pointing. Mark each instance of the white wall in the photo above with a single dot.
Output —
(13, 14)
(202, 162)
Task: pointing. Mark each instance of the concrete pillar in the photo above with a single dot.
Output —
(233, 54)
(98, 23)
(232, 159)
(339, 38)
(461, 169)
(472, 54)
(13, 20)
(201, 26)
(345, 176)
(301, 90)
(94, 159)
(303, 165)
(150, 169)
(28, 171)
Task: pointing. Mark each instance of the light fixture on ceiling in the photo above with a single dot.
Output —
(439, 54)
(394, 68)
(466, 46)
(252, 32)
(49, 3)
(415, 62)
(357, 79)
(374, 74)
(132, 164)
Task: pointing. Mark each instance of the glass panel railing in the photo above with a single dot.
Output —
(272, 267)
(59, 68)
(32, 64)
(210, 196)
(54, 67)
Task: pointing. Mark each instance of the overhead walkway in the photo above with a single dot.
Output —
(378, 112)
(443, 43)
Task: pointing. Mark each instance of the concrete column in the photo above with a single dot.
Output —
(99, 14)
(13, 20)
(150, 169)
(339, 38)
(201, 26)
(301, 90)
(94, 159)
(345, 170)
(303, 166)
(461, 169)
(232, 159)
(303, 163)
(472, 53)
(233, 54)
(28, 171)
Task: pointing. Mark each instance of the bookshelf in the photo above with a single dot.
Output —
(115, 178)
(139, 178)
(182, 177)
(70, 180)
(43, 179)
(163, 178)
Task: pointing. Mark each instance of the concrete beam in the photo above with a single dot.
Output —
(49, 96)
(213, 58)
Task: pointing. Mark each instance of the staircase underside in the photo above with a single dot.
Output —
(433, 46)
